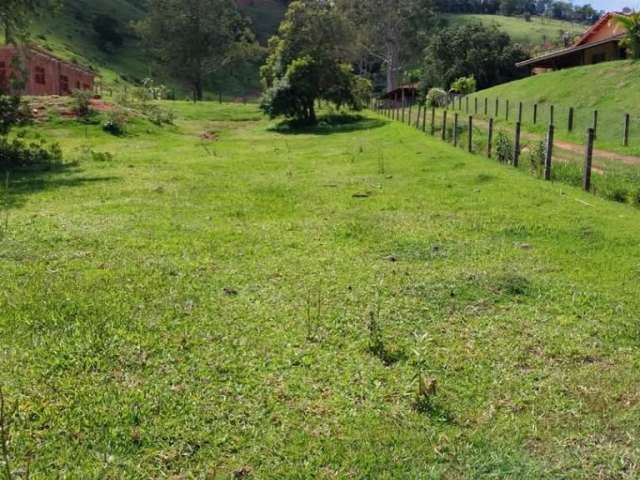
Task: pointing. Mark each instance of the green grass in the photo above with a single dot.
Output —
(537, 32)
(201, 309)
(611, 88)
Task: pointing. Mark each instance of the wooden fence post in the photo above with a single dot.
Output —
(486, 106)
(552, 114)
(588, 159)
(490, 139)
(433, 120)
(470, 134)
(548, 154)
(424, 118)
(497, 106)
(595, 122)
(535, 113)
(476, 102)
(444, 125)
(455, 129)
(516, 145)
(418, 117)
(570, 126)
(466, 104)
(627, 126)
(520, 108)
(403, 108)
(410, 112)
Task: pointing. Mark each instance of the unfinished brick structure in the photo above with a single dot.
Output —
(45, 74)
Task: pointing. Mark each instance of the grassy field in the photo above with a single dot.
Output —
(259, 303)
(538, 31)
(611, 88)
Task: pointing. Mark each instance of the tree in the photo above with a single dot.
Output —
(16, 15)
(631, 23)
(107, 29)
(471, 50)
(308, 61)
(391, 31)
(194, 39)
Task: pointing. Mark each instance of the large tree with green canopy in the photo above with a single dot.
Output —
(309, 60)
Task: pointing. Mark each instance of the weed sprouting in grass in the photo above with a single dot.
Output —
(381, 165)
(313, 313)
(536, 158)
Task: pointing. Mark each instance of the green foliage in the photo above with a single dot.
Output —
(437, 98)
(82, 100)
(474, 50)
(305, 65)
(631, 23)
(116, 121)
(193, 40)
(12, 112)
(537, 158)
(19, 154)
(464, 85)
(504, 148)
(107, 30)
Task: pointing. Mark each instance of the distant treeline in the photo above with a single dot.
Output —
(548, 8)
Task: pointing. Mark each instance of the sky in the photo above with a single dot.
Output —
(612, 4)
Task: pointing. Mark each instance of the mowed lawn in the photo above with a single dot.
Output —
(204, 308)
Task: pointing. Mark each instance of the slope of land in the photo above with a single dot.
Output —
(611, 88)
(537, 32)
(222, 299)
(69, 34)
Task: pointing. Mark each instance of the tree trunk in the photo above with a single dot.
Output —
(393, 66)
(197, 91)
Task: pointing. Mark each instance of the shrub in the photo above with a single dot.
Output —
(504, 148)
(464, 85)
(537, 158)
(17, 154)
(117, 121)
(12, 112)
(437, 98)
(82, 99)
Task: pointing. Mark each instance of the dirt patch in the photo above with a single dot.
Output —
(209, 136)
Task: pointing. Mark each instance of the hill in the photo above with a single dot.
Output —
(69, 34)
(612, 88)
(539, 31)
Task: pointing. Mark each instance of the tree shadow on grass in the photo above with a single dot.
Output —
(23, 183)
(329, 125)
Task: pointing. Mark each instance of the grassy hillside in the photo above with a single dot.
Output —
(611, 88)
(534, 33)
(69, 34)
(253, 303)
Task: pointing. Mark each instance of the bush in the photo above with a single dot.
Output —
(116, 123)
(12, 112)
(437, 98)
(504, 148)
(17, 154)
(537, 158)
(82, 99)
(464, 85)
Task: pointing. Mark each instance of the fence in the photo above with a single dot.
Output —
(507, 140)
(615, 129)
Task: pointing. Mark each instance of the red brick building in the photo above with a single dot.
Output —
(45, 74)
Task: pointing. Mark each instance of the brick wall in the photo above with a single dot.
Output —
(46, 74)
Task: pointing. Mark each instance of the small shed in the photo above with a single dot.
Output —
(403, 95)
(32, 71)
